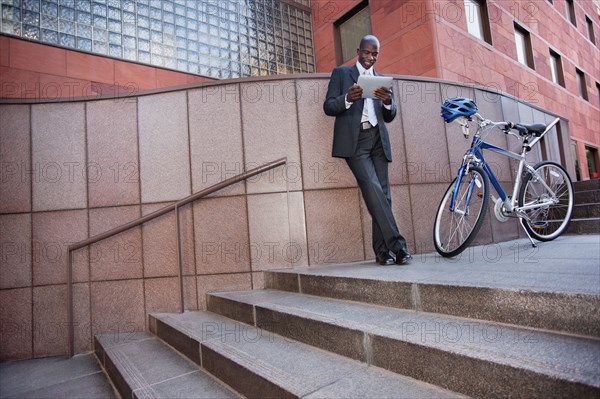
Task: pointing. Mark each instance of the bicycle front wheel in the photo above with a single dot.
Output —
(456, 225)
(547, 198)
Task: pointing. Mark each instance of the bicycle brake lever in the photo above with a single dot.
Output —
(509, 126)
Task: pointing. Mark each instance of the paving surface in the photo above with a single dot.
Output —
(57, 377)
(570, 264)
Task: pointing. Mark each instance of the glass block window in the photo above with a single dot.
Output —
(219, 39)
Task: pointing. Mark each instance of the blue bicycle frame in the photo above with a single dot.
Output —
(475, 157)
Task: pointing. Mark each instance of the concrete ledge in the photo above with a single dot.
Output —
(553, 287)
(476, 358)
(260, 364)
(148, 368)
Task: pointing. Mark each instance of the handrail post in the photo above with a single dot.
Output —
(70, 318)
(179, 260)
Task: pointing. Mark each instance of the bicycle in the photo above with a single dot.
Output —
(542, 194)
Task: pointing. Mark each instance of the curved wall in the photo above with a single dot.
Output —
(74, 169)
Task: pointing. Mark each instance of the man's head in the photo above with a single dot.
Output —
(368, 51)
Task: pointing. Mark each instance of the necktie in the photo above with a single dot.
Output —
(369, 109)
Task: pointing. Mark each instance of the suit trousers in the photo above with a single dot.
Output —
(370, 168)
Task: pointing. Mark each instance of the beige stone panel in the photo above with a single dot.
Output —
(120, 256)
(221, 283)
(113, 169)
(53, 232)
(277, 240)
(333, 226)
(16, 320)
(15, 153)
(164, 147)
(319, 168)
(15, 253)
(270, 129)
(118, 306)
(160, 242)
(216, 137)
(59, 159)
(221, 234)
(424, 134)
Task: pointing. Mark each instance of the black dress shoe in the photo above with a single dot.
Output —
(385, 259)
(402, 257)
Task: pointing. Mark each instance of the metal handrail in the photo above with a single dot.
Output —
(173, 207)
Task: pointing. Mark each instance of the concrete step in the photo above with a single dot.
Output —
(142, 366)
(584, 226)
(496, 290)
(592, 184)
(585, 211)
(587, 197)
(260, 364)
(476, 358)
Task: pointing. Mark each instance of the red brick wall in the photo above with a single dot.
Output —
(430, 38)
(403, 27)
(34, 70)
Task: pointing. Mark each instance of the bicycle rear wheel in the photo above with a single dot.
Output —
(549, 182)
(454, 229)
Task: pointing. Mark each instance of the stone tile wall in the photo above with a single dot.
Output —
(71, 170)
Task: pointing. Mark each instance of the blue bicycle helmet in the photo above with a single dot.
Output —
(457, 106)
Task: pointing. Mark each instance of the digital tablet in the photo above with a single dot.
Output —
(370, 83)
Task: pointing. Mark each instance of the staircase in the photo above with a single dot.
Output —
(435, 329)
(586, 210)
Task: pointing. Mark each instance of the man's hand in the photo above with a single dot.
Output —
(384, 94)
(354, 93)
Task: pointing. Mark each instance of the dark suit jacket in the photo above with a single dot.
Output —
(347, 121)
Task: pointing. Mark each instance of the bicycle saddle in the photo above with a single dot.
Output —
(536, 129)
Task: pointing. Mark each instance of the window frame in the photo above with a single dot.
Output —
(556, 59)
(570, 10)
(528, 48)
(339, 51)
(590, 29)
(581, 84)
(484, 19)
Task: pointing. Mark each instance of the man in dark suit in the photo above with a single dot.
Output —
(361, 138)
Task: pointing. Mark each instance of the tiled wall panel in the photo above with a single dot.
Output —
(308, 212)
(58, 156)
(15, 153)
(113, 166)
(164, 147)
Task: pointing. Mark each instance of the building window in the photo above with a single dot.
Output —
(221, 39)
(575, 154)
(478, 22)
(591, 154)
(581, 84)
(590, 29)
(557, 70)
(598, 92)
(523, 43)
(349, 31)
(571, 12)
